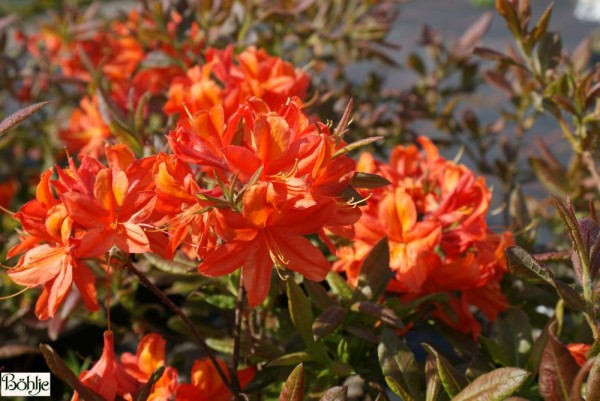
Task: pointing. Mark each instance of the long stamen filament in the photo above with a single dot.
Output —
(289, 174)
(355, 203)
(14, 295)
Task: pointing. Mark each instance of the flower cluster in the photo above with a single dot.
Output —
(82, 215)
(112, 378)
(249, 178)
(280, 179)
(134, 62)
(433, 215)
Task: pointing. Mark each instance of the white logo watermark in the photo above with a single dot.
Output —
(25, 384)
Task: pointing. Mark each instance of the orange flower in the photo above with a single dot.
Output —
(207, 385)
(56, 270)
(262, 238)
(177, 198)
(149, 357)
(433, 215)
(82, 214)
(87, 131)
(108, 377)
(256, 74)
(111, 215)
(297, 183)
(52, 265)
(578, 351)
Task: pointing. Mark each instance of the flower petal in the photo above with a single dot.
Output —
(302, 256)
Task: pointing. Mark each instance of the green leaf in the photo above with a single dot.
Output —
(145, 391)
(293, 388)
(338, 393)
(342, 127)
(318, 295)
(594, 350)
(452, 380)
(338, 285)
(291, 359)
(138, 118)
(110, 116)
(356, 145)
(328, 321)
(60, 369)
(378, 311)
(593, 382)
(340, 369)
(557, 370)
(514, 333)
(403, 308)
(495, 351)
(496, 385)
(374, 274)
(523, 265)
(20, 116)
(399, 367)
(549, 51)
(415, 63)
(569, 295)
(224, 345)
(548, 176)
(572, 226)
(541, 27)
(434, 384)
(505, 8)
(367, 180)
(537, 350)
(477, 366)
(490, 54)
(303, 319)
(172, 266)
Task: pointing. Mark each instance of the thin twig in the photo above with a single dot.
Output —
(176, 310)
(237, 334)
(579, 379)
(591, 165)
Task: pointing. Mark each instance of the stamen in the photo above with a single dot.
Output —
(279, 261)
(14, 295)
(280, 271)
(289, 174)
(190, 116)
(11, 214)
(355, 203)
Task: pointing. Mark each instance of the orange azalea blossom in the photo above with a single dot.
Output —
(52, 264)
(296, 190)
(149, 357)
(261, 238)
(578, 351)
(83, 214)
(108, 377)
(177, 198)
(207, 384)
(252, 73)
(433, 215)
(86, 132)
(120, 52)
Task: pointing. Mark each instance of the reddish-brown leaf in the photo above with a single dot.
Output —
(19, 116)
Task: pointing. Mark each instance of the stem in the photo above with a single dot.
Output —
(591, 165)
(590, 318)
(237, 333)
(176, 310)
(579, 379)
